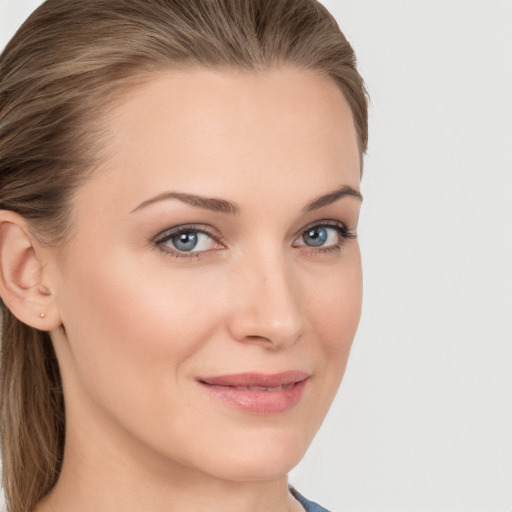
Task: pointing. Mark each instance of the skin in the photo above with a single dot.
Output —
(134, 326)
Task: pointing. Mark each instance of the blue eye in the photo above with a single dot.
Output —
(324, 236)
(317, 236)
(187, 240)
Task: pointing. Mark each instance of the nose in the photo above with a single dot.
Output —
(265, 306)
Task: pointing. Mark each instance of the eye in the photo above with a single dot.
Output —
(186, 239)
(324, 236)
(191, 241)
(321, 235)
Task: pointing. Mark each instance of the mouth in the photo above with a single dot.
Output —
(258, 392)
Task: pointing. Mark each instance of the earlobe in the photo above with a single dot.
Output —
(22, 285)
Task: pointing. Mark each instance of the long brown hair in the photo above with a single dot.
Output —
(65, 66)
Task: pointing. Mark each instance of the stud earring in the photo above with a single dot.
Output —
(42, 315)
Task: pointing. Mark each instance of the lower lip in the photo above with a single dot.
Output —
(259, 401)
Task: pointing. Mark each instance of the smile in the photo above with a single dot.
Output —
(264, 388)
(257, 392)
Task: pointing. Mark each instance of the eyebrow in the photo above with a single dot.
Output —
(331, 197)
(208, 203)
(223, 206)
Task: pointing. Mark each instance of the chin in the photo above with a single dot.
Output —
(268, 459)
(250, 470)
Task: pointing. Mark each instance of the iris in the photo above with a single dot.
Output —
(315, 237)
(185, 241)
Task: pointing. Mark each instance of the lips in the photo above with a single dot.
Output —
(258, 392)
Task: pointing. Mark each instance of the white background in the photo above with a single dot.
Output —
(423, 421)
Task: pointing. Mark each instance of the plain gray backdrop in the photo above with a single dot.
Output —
(423, 420)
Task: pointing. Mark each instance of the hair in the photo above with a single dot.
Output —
(59, 73)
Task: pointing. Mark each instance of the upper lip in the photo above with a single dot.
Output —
(256, 379)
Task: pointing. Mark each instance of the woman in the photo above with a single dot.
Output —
(179, 265)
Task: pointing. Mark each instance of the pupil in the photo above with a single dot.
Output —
(185, 241)
(315, 237)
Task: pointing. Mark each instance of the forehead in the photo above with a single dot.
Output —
(219, 132)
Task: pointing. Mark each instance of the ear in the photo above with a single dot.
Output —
(24, 281)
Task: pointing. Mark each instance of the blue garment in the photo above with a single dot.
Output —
(310, 506)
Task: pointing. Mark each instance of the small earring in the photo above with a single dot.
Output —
(42, 315)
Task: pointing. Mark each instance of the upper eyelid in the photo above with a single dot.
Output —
(199, 228)
(333, 223)
(321, 223)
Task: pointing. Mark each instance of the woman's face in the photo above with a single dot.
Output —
(212, 289)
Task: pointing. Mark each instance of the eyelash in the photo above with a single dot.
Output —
(167, 235)
(344, 233)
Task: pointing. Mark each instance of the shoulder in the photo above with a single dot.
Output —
(310, 506)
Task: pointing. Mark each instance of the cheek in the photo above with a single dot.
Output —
(333, 313)
(130, 329)
(334, 309)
